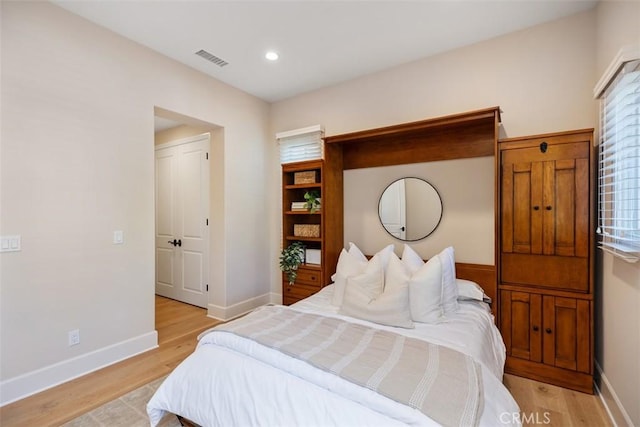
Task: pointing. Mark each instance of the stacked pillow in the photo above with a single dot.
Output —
(470, 291)
(352, 263)
(399, 291)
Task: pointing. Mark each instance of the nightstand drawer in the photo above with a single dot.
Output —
(296, 292)
(308, 276)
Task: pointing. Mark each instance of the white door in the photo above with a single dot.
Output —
(182, 212)
(392, 209)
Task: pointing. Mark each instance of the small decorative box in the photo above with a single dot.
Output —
(306, 177)
(306, 230)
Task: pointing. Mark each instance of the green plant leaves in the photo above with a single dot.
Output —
(290, 259)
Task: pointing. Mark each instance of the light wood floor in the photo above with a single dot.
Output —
(178, 325)
(548, 405)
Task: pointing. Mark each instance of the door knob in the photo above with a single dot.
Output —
(535, 329)
(536, 208)
(175, 242)
(548, 330)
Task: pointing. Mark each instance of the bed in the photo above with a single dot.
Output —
(237, 377)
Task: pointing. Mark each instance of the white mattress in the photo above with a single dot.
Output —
(218, 386)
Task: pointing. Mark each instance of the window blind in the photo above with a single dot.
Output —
(619, 165)
(301, 144)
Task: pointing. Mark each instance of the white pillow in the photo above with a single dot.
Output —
(449, 296)
(425, 292)
(390, 307)
(355, 251)
(449, 287)
(354, 262)
(468, 290)
(411, 259)
(367, 285)
(384, 253)
(396, 273)
(348, 265)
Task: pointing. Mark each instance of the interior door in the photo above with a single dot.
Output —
(392, 210)
(182, 211)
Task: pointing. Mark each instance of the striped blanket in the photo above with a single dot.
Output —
(444, 384)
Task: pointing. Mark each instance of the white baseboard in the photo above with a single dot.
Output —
(235, 310)
(39, 380)
(612, 404)
(275, 298)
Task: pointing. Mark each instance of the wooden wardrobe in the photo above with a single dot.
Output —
(545, 227)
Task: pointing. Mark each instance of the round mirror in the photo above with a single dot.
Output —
(410, 209)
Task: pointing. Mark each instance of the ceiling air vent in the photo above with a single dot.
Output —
(212, 58)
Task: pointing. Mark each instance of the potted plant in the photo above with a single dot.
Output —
(290, 259)
(312, 199)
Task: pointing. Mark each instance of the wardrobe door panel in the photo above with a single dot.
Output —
(521, 321)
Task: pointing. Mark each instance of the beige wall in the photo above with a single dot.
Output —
(541, 77)
(617, 282)
(466, 188)
(77, 164)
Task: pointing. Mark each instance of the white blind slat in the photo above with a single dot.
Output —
(619, 165)
(301, 144)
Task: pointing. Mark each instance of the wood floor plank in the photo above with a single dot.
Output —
(177, 324)
(585, 413)
(546, 404)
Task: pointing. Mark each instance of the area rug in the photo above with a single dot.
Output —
(129, 410)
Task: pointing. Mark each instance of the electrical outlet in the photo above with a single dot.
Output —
(118, 237)
(74, 337)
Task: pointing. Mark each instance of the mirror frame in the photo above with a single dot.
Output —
(436, 224)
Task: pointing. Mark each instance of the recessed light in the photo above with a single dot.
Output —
(271, 55)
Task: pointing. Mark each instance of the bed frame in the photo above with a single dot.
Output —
(458, 136)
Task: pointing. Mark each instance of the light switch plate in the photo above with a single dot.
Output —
(118, 237)
(10, 243)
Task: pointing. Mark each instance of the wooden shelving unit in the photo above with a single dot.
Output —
(312, 277)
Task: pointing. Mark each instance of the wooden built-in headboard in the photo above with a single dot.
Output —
(458, 136)
(484, 275)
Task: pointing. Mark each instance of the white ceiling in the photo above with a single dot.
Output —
(320, 43)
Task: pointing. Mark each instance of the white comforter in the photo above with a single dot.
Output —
(232, 381)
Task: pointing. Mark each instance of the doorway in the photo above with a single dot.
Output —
(182, 219)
